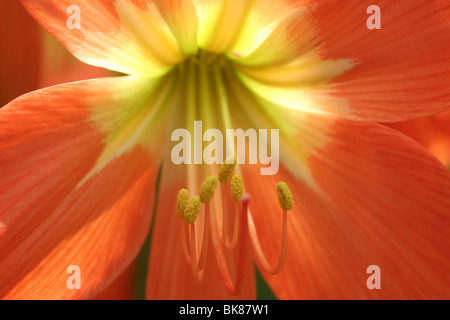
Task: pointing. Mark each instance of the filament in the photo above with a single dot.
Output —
(261, 259)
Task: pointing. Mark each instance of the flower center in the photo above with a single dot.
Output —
(209, 60)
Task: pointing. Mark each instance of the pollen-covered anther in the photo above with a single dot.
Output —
(237, 188)
(285, 196)
(182, 201)
(208, 188)
(192, 210)
(226, 170)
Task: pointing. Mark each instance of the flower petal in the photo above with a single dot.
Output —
(402, 71)
(378, 199)
(60, 203)
(19, 55)
(124, 36)
(170, 276)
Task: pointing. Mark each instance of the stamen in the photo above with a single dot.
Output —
(221, 257)
(237, 193)
(192, 210)
(232, 244)
(226, 170)
(225, 235)
(185, 235)
(237, 188)
(190, 246)
(208, 188)
(182, 201)
(286, 202)
(195, 272)
(205, 242)
(284, 196)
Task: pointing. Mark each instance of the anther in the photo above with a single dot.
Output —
(192, 210)
(208, 188)
(226, 170)
(237, 188)
(284, 196)
(182, 201)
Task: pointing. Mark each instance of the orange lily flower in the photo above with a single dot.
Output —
(79, 162)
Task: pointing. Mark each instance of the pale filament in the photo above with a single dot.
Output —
(190, 245)
(234, 287)
(229, 241)
(261, 259)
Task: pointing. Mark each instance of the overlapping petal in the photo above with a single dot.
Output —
(433, 132)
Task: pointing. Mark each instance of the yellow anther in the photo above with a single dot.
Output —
(182, 201)
(207, 189)
(237, 188)
(226, 170)
(192, 210)
(284, 196)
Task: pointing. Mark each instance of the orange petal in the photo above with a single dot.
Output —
(170, 276)
(55, 209)
(378, 198)
(124, 36)
(20, 51)
(402, 71)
